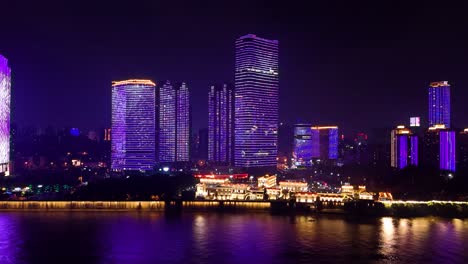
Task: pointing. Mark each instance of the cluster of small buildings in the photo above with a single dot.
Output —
(241, 187)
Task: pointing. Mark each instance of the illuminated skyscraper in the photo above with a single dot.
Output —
(440, 148)
(447, 150)
(302, 153)
(256, 102)
(439, 104)
(221, 124)
(325, 142)
(404, 148)
(5, 99)
(174, 123)
(133, 125)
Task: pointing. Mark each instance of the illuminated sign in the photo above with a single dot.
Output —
(415, 121)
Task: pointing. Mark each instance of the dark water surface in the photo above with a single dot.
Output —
(98, 237)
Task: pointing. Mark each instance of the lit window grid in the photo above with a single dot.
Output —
(256, 102)
(133, 127)
(220, 124)
(174, 123)
(167, 124)
(183, 124)
(439, 105)
(5, 101)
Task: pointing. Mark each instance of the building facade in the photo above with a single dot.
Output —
(221, 124)
(302, 154)
(5, 100)
(174, 123)
(325, 142)
(404, 148)
(256, 102)
(133, 125)
(440, 148)
(439, 104)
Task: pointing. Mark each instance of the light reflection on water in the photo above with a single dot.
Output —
(98, 237)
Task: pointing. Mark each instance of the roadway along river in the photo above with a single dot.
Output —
(132, 237)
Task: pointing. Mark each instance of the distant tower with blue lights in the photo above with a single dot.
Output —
(439, 104)
(174, 123)
(256, 102)
(221, 124)
(133, 125)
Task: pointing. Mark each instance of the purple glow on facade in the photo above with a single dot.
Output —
(302, 145)
(333, 143)
(174, 123)
(256, 102)
(133, 125)
(447, 150)
(5, 100)
(414, 151)
(402, 151)
(221, 124)
(324, 142)
(439, 104)
(315, 143)
(404, 148)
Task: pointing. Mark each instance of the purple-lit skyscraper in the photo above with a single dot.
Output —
(256, 102)
(439, 104)
(221, 124)
(325, 142)
(5, 99)
(133, 125)
(302, 153)
(404, 148)
(174, 123)
(447, 150)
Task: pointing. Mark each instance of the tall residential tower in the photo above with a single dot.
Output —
(256, 102)
(5, 99)
(174, 123)
(439, 104)
(133, 125)
(221, 124)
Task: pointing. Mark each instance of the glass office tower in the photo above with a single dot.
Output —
(133, 125)
(256, 102)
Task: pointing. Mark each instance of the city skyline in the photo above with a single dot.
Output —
(325, 64)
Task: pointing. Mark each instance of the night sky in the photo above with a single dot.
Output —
(359, 66)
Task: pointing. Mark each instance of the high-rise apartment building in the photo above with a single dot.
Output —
(174, 123)
(404, 148)
(133, 125)
(439, 104)
(5, 100)
(221, 124)
(256, 102)
(440, 148)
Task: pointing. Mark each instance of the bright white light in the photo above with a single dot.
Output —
(166, 169)
(39, 186)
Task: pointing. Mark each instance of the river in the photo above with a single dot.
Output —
(145, 237)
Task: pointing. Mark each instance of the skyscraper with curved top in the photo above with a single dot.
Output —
(5, 99)
(256, 102)
(133, 125)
